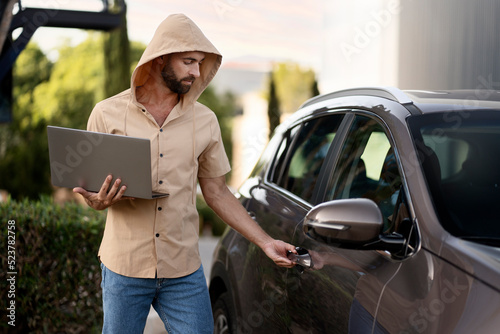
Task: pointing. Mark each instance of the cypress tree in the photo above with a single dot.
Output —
(273, 110)
(314, 88)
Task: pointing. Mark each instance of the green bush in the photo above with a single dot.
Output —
(57, 285)
(58, 275)
(208, 218)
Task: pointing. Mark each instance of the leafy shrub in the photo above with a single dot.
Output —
(208, 218)
(58, 273)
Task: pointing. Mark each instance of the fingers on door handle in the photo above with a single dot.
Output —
(302, 259)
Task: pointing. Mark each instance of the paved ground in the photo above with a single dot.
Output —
(207, 245)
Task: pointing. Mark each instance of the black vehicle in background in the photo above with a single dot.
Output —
(393, 199)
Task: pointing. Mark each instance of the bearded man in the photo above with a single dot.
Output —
(149, 253)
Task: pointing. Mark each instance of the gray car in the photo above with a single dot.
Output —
(391, 198)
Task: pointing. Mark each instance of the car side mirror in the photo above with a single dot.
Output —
(351, 223)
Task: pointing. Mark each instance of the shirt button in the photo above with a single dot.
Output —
(159, 208)
(143, 110)
(157, 235)
(160, 182)
(161, 155)
(161, 130)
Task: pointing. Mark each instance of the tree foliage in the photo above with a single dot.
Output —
(289, 87)
(23, 143)
(75, 85)
(273, 107)
(63, 94)
(117, 60)
(294, 85)
(224, 107)
(314, 88)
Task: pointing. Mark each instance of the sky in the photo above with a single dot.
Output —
(347, 44)
(277, 30)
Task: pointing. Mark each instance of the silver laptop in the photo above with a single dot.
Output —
(81, 158)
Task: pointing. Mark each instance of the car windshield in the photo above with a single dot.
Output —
(460, 155)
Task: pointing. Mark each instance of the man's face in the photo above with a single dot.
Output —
(181, 70)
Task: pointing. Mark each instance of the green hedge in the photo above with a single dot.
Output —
(57, 286)
(208, 218)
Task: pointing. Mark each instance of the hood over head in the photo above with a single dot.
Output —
(178, 33)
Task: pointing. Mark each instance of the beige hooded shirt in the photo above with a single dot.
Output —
(145, 238)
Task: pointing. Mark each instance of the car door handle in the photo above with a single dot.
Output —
(302, 259)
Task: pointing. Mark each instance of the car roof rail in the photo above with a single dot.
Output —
(390, 93)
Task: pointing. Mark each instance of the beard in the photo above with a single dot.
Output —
(173, 83)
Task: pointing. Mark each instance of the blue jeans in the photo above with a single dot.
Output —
(183, 303)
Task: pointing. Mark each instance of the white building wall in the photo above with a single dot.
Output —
(360, 44)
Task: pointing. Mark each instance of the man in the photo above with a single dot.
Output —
(149, 251)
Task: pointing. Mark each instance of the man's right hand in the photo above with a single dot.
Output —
(106, 196)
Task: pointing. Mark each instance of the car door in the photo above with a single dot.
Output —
(340, 293)
(278, 204)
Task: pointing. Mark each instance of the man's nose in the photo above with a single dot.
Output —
(195, 70)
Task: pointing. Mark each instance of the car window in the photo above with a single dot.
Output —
(458, 153)
(302, 153)
(281, 154)
(453, 152)
(367, 168)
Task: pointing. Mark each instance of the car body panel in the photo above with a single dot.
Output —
(438, 283)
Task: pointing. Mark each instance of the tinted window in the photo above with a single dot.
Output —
(281, 154)
(301, 155)
(459, 154)
(367, 168)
